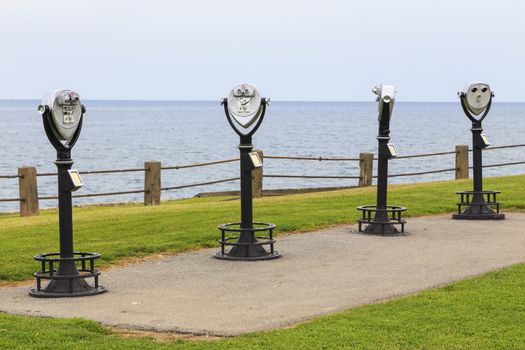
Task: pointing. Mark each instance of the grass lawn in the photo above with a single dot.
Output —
(484, 312)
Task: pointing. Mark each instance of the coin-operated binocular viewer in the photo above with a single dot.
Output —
(381, 218)
(476, 100)
(67, 271)
(245, 110)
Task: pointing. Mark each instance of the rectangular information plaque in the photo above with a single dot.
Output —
(256, 160)
(392, 149)
(76, 180)
(485, 140)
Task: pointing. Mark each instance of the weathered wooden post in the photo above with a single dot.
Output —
(257, 178)
(366, 169)
(152, 183)
(462, 170)
(28, 191)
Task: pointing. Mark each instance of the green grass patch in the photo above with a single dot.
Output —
(486, 312)
(135, 230)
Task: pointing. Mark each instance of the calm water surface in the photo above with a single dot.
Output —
(124, 134)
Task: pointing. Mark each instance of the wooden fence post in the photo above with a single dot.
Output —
(28, 191)
(152, 183)
(462, 170)
(257, 178)
(366, 169)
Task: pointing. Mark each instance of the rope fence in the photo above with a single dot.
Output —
(128, 192)
(424, 155)
(313, 158)
(501, 164)
(358, 177)
(95, 194)
(389, 175)
(90, 172)
(152, 175)
(421, 173)
(195, 165)
(311, 176)
(419, 155)
(9, 176)
(504, 146)
(11, 199)
(199, 184)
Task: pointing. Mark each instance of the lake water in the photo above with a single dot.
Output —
(124, 134)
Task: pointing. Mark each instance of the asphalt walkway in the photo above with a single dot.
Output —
(319, 273)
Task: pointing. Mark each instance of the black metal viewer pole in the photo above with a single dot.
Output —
(385, 217)
(477, 154)
(66, 270)
(476, 100)
(245, 147)
(383, 139)
(245, 109)
(65, 217)
(247, 245)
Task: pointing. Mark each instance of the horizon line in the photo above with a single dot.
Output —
(218, 100)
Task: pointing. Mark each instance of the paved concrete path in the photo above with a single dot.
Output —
(319, 273)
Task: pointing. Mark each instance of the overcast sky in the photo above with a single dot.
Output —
(326, 50)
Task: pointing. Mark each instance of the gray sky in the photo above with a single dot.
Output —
(327, 50)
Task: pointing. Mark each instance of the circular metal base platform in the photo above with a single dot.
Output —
(43, 294)
(382, 222)
(485, 216)
(268, 256)
(67, 276)
(247, 245)
(478, 205)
